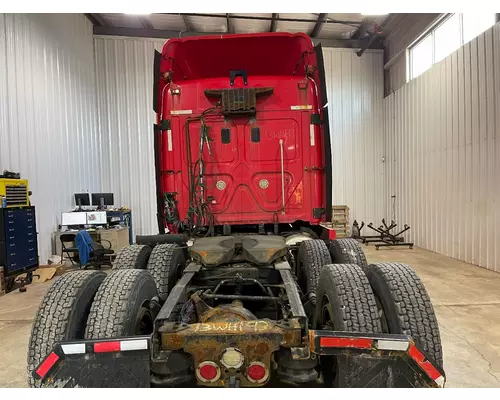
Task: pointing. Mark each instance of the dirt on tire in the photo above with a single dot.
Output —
(347, 251)
(135, 256)
(62, 314)
(313, 255)
(118, 303)
(163, 266)
(351, 297)
(407, 306)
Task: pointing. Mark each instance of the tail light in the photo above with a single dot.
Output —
(208, 371)
(257, 372)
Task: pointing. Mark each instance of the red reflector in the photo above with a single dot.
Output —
(208, 372)
(256, 372)
(345, 342)
(106, 347)
(332, 234)
(425, 365)
(47, 364)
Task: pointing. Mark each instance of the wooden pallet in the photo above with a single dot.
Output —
(340, 214)
(342, 230)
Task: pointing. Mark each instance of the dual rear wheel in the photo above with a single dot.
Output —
(93, 304)
(354, 296)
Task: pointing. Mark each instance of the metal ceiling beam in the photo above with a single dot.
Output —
(91, 18)
(186, 23)
(347, 43)
(146, 23)
(368, 44)
(165, 34)
(319, 24)
(376, 36)
(363, 28)
(251, 17)
(274, 22)
(229, 24)
(96, 20)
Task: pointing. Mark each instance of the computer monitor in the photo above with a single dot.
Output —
(96, 218)
(73, 218)
(82, 199)
(102, 199)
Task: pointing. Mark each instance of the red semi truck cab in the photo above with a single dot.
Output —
(240, 134)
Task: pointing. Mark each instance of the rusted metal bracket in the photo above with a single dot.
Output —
(176, 294)
(293, 296)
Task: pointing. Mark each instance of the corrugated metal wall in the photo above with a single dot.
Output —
(124, 79)
(48, 111)
(124, 69)
(355, 102)
(442, 151)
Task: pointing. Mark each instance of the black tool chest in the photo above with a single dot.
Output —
(18, 240)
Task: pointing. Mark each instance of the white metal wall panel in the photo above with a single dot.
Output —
(355, 103)
(124, 80)
(442, 150)
(124, 69)
(48, 111)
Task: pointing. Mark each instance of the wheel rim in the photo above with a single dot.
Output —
(326, 321)
(144, 322)
(382, 316)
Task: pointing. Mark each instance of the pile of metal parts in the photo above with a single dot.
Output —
(385, 237)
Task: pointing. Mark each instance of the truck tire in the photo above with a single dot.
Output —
(312, 256)
(62, 314)
(344, 302)
(120, 305)
(134, 256)
(406, 306)
(352, 305)
(347, 251)
(163, 265)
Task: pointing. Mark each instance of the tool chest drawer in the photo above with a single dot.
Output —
(18, 240)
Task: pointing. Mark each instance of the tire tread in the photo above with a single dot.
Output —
(347, 251)
(134, 256)
(160, 265)
(52, 320)
(316, 255)
(111, 304)
(414, 308)
(353, 294)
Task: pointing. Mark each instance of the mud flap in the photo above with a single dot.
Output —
(123, 363)
(376, 361)
(366, 371)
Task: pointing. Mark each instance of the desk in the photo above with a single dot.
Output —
(125, 218)
(118, 237)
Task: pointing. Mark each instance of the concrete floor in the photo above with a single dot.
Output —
(466, 300)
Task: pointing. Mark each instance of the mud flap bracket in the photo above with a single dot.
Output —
(376, 360)
(106, 363)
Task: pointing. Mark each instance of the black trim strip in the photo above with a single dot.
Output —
(159, 195)
(156, 81)
(326, 133)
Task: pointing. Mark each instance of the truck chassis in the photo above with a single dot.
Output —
(238, 311)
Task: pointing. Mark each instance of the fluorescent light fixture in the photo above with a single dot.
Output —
(372, 14)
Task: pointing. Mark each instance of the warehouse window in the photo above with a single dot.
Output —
(446, 37)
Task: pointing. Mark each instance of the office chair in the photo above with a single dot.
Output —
(98, 253)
